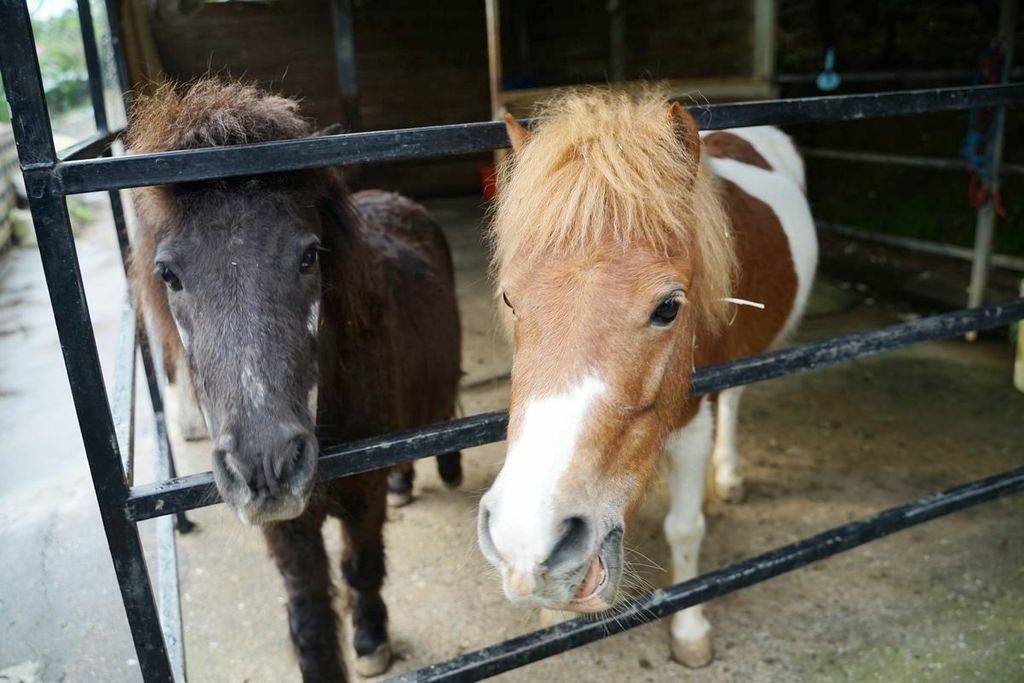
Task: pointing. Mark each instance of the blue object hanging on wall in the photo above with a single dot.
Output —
(829, 79)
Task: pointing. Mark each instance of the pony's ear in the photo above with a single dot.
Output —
(686, 129)
(517, 135)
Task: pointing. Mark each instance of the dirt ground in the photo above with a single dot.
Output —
(941, 602)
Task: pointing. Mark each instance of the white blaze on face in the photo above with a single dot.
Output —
(522, 518)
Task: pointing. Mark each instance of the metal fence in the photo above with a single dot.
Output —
(107, 424)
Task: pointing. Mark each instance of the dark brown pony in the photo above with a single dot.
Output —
(286, 295)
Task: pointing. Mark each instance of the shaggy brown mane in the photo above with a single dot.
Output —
(210, 112)
(607, 166)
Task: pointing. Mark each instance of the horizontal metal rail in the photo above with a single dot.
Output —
(544, 643)
(198, 490)
(886, 76)
(1005, 261)
(93, 146)
(71, 177)
(935, 163)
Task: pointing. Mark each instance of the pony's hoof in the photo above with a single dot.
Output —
(729, 489)
(693, 654)
(397, 499)
(375, 663)
(192, 427)
(454, 483)
(400, 487)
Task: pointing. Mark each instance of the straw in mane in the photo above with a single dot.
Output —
(606, 169)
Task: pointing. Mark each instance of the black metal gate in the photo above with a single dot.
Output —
(107, 423)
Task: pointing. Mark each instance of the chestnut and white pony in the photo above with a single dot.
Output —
(628, 250)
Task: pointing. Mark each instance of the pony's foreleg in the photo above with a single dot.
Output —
(400, 480)
(298, 550)
(362, 566)
(688, 450)
(725, 458)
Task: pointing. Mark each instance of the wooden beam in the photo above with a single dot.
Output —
(765, 13)
(617, 37)
(345, 63)
(494, 56)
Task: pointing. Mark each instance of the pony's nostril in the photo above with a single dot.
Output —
(236, 467)
(298, 464)
(294, 457)
(573, 544)
(484, 537)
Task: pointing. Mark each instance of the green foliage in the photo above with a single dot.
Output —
(62, 61)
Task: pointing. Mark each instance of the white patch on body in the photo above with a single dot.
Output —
(786, 199)
(688, 450)
(725, 457)
(522, 522)
(776, 148)
(252, 386)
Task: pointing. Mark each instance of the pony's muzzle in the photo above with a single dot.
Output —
(266, 484)
(577, 569)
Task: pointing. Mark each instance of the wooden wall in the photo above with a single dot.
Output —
(410, 72)
(424, 62)
(569, 42)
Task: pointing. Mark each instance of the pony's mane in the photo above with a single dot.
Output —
(211, 112)
(606, 167)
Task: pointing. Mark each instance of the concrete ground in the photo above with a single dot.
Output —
(940, 602)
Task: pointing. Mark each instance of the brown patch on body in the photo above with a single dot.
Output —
(728, 146)
(766, 275)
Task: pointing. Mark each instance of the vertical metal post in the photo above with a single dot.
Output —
(34, 138)
(92, 65)
(1018, 363)
(114, 19)
(493, 17)
(345, 62)
(121, 227)
(765, 13)
(617, 42)
(985, 225)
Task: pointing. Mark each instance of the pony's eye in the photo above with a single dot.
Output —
(504, 297)
(168, 276)
(665, 313)
(308, 261)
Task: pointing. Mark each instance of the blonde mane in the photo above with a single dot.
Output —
(608, 167)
